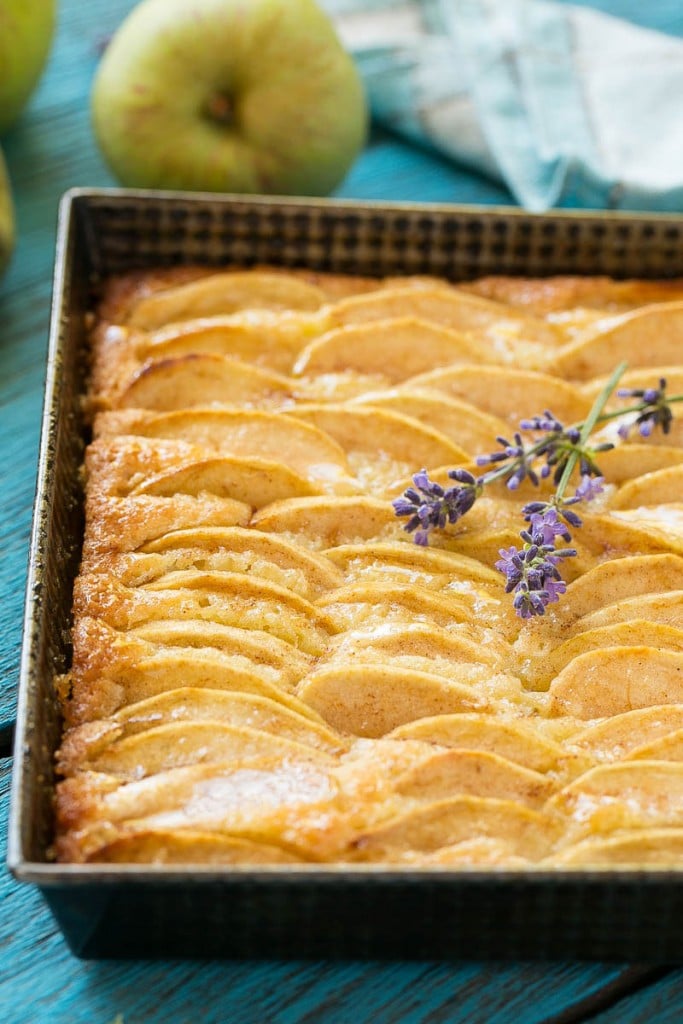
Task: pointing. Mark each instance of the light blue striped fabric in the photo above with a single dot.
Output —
(568, 106)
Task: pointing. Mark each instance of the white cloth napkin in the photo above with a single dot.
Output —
(568, 106)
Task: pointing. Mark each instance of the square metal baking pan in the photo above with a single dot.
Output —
(311, 911)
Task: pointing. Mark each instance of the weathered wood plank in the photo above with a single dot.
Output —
(660, 1003)
(50, 150)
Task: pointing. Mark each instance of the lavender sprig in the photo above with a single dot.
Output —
(540, 584)
(518, 462)
(655, 410)
(430, 506)
(532, 572)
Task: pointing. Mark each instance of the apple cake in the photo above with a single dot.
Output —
(267, 669)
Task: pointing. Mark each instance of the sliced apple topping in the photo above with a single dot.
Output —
(371, 700)
(225, 293)
(394, 349)
(267, 670)
(617, 679)
(203, 378)
(640, 338)
(507, 392)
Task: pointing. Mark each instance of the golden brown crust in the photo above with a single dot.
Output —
(265, 670)
(555, 294)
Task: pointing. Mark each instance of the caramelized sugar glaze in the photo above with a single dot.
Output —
(267, 669)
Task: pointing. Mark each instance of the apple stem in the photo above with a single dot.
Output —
(220, 108)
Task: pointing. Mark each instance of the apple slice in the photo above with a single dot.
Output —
(349, 605)
(473, 853)
(254, 803)
(642, 337)
(159, 739)
(623, 795)
(595, 293)
(231, 549)
(394, 349)
(242, 585)
(506, 392)
(266, 338)
(201, 379)
(371, 699)
(456, 583)
(98, 648)
(617, 737)
(666, 748)
(190, 847)
(328, 520)
(125, 524)
(238, 432)
(647, 530)
(500, 325)
(474, 773)
(167, 671)
(123, 466)
(626, 577)
(631, 460)
(178, 744)
(658, 488)
(229, 599)
(516, 741)
(446, 822)
(665, 609)
(464, 424)
(256, 482)
(226, 292)
(657, 847)
(143, 669)
(192, 704)
(263, 648)
(380, 435)
(617, 679)
(635, 632)
(135, 569)
(414, 640)
(355, 559)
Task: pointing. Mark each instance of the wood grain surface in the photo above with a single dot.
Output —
(52, 149)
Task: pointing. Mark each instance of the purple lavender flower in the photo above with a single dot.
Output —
(656, 411)
(547, 422)
(546, 516)
(531, 572)
(534, 508)
(430, 506)
(519, 458)
(546, 526)
(589, 488)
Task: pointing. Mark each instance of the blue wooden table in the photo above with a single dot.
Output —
(50, 150)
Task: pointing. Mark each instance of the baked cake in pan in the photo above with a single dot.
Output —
(267, 669)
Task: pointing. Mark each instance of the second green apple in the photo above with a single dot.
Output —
(229, 96)
(26, 29)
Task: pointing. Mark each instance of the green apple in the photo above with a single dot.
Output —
(6, 217)
(229, 96)
(26, 30)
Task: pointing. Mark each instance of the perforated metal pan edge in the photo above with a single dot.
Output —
(309, 911)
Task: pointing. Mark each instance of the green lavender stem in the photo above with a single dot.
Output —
(617, 413)
(587, 428)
